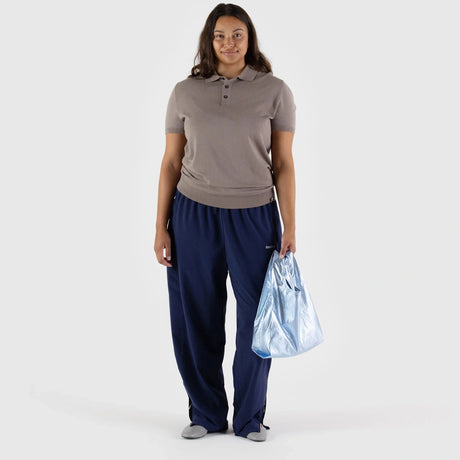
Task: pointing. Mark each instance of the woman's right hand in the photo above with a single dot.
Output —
(163, 241)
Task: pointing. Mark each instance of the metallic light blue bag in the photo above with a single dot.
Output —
(286, 323)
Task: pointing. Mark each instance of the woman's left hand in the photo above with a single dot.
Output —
(287, 243)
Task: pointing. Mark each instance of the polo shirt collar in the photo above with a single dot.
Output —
(248, 74)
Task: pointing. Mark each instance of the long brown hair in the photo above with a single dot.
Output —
(207, 64)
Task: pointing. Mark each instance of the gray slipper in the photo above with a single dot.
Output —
(194, 431)
(258, 435)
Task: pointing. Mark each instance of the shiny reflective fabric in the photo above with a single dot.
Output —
(286, 323)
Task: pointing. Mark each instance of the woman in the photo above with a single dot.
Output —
(217, 214)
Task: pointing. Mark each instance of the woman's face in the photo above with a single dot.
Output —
(230, 40)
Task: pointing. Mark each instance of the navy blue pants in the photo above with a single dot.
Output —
(207, 243)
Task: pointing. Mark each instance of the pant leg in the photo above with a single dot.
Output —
(251, 235)
(197, 297)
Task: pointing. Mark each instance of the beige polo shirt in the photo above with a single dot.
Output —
(228, 125)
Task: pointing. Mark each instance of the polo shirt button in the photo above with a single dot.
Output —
(225, 96)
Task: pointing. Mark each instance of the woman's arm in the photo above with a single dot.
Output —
(169, 177)
(284, 177)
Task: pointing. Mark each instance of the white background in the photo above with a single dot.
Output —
(87, 360)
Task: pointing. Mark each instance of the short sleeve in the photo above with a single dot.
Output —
(174, 123)
(285, 111)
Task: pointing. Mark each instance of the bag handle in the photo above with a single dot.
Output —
(274, 205)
